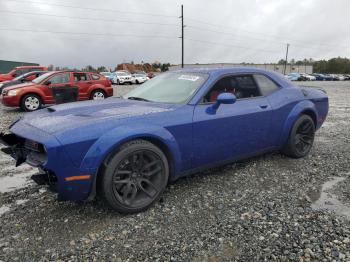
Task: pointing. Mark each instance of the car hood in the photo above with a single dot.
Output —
(5, 77)
(19, 85)
(103, 113)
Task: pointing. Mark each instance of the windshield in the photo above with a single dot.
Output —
(42, 77)
(21, 76)
(122, 74)
(169, 87)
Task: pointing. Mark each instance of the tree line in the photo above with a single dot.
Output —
(147, 67)
(337, 65)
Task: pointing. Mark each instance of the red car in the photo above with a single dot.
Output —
(20, 70)
(57, 87)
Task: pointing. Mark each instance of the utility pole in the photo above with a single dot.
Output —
(285, 62)
(182, 36)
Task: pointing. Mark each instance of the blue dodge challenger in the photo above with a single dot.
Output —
(128, 148)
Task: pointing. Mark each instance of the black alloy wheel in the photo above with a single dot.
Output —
(135, 177)
(301, 137)
(304, 136)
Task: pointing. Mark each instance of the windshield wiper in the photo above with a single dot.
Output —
(138, 98)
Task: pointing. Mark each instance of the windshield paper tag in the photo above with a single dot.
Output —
(189, 78)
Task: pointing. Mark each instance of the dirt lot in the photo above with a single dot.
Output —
(269, 207)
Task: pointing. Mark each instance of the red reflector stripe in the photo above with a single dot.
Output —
(74, 178)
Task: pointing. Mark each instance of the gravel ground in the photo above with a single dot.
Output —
(259, 209)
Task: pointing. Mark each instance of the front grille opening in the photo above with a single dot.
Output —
(36, 153)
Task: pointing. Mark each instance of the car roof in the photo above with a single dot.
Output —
(75, 71)
(23, 67)
(37, 72)
(225, 70)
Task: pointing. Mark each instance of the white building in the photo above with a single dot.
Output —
(272, 67)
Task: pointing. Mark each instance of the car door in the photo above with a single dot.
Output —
(83, 82)
(236, 130)
(56, 86)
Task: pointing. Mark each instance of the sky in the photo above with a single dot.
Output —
(77, 33)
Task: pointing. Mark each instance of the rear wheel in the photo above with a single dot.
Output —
(135, 177)
(98, 95)
(301, 137)
(31, 102)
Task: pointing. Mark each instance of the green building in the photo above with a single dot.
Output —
(7, 66)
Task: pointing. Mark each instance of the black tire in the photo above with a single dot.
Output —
(31, 102)
(301, 137)
(98, 94)
(137, 82)
(134, 177)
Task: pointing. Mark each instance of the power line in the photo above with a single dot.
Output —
(164, 24)
(129, 35)
(229, 45)
(86, 33)
(92, 8)
(256, 38)
(279, 37)
(89, 18)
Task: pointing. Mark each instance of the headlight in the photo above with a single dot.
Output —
(12, 92)
(1, 85)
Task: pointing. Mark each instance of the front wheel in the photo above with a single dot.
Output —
(135, 177)
(301, 137)
(31, 102)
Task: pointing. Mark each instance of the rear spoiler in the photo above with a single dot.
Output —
(314, 87)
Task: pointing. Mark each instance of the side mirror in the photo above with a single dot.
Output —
(224, 98)
(48, 83)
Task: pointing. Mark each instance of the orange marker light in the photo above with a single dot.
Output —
(74, 178)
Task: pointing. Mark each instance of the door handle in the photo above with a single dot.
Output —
(89, 82)
(263, 106)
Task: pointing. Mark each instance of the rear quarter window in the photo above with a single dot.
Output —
(95, 77)
(266, 85)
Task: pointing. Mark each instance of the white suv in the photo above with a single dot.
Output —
(124, 77)
(139, 78)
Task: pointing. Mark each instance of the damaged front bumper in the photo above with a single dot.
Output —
(31, 152)
(23, 150)
(42, 150)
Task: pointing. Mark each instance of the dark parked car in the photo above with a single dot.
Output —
(346, 77)
(128, 149)
(28, 77)
(322, 77)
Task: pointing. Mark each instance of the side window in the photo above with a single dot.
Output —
(80, 77)
(95, 77)
(60, 78)
(19, 72)
(240, 86)
(267, 86)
